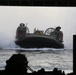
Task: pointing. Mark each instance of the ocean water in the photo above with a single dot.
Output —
(46, 58)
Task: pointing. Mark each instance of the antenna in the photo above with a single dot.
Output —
(26, 24)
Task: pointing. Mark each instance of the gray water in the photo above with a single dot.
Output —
(42, 58)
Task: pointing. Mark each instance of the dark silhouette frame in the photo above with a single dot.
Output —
(55, 3)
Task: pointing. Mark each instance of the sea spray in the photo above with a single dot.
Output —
(6, 42)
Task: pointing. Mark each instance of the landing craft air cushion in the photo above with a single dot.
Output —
(39, 39)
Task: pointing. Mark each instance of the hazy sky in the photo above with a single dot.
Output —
(37, 17)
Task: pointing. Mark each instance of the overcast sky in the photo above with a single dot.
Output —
(37, 17)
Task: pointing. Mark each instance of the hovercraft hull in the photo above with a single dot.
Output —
(39, 42)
